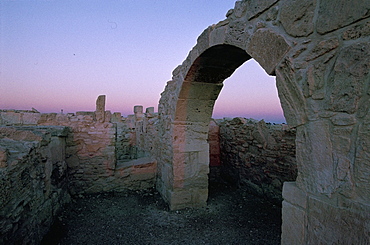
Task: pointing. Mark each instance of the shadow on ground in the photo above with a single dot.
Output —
(231, 217)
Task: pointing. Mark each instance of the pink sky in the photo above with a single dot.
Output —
(63, 54)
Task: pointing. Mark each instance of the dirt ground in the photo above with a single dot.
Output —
(231, 217)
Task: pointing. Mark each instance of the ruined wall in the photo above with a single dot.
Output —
(257, 156)
(33, 181)
(101, 148)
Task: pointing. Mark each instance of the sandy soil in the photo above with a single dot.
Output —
(231, 217)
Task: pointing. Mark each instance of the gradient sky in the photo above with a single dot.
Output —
(62, 54)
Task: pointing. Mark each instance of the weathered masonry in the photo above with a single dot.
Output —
(319, 53)
(45, 158)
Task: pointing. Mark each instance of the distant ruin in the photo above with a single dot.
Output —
(319, 52)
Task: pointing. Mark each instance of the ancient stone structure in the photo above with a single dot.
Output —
(256, 156)
(33, 181)
(319, 53)
(45, 157)
(91, 153)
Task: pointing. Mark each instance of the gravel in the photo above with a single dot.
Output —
(141, 217)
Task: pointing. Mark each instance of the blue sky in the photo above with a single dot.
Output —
(60, 54)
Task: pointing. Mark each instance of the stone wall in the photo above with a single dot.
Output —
(102, 153)
(257, 156)
(33, 181)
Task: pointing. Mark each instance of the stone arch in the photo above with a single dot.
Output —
(196, 84)
(321, 62)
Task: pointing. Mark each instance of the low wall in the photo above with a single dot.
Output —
(33, 181)
(257, 156)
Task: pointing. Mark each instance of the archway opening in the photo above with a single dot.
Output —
(187, 184)
(251, 147)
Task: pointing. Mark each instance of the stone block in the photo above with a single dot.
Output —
(199, 197)
(294, 195)
(254, 8)
(30, 118)
(297, 16)
(294, 224)
(11, 118)
(194, 110)
(218, 36)
(328, 224)
(179, 199)
(200, 91)
(347, 83)
(315, 157)
(268, 48)
(329, 18)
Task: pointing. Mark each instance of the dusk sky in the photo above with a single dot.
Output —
(61, 54)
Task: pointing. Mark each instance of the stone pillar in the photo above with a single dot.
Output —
(149, 110)
(100, 109)
(138, 111)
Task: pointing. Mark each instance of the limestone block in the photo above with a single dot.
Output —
(149, 110)
(138, 109)
(343, 119)
(107, 116)
(291, 96)
(47, 118)
(323, 47)
(194, 110)
(328, 224)
(217, 36)
(293, 227)
(350, 77)
(237, 33)
(240, 8)
(357, 31)
(19, 135)
(100, 103)
(199, 197)
(116, 117)
(11, 118)
(202, 41)
(350, 11)
(362, 162)
(315, 157)
(254, 7)
(179, 199)
(268, 48)
(294, 195)
(100, 108)
(297, 16)
(30, 118)
(200, 91)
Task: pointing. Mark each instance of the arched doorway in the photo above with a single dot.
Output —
(323, 84)
(186, 171)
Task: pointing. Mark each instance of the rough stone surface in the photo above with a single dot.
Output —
(296, 17)
(33, 182)
(325, 220)
(329, 18)
(257, 156)
(274, 49)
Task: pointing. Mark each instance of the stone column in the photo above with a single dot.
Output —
(100, 109)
